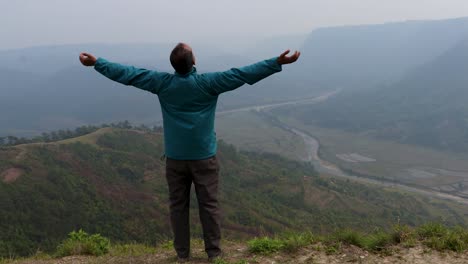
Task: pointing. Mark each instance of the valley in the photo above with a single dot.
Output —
(367, 131)
(407, 168)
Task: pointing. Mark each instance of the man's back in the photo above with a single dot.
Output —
(188, 112)
(188, 101)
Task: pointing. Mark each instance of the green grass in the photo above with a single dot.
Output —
(433, 235)
(293, 242)
(439, 237)
(265, 245)
(349, 237)
(82, 243)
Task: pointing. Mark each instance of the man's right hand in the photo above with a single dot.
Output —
(87, 59)
(283, 59)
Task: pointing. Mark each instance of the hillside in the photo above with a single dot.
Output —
(427, 107)
(112, 182)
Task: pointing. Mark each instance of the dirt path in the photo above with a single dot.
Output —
(236, 253)
(21, 154)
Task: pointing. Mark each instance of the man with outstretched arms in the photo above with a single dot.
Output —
(188, 102)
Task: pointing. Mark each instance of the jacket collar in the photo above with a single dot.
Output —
(192, 71)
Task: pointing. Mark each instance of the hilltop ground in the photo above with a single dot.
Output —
(239, 254)
(111, 182)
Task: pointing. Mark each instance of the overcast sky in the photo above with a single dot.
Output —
(42, 22)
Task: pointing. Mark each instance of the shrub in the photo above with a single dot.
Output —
(265, 245)
(441, 238)
(81, 243)
(378, 241)
(403, 234)
(431, 230)
(349, 237)
(294, 242)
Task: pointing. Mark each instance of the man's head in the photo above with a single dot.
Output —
(182, 58)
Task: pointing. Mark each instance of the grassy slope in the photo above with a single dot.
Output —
(112, 182)
(430, 243)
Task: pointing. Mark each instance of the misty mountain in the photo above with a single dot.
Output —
(45, 88)
(370, 55)
(427, 107)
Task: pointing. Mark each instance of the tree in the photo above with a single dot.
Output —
(12, 140)
(45, 137)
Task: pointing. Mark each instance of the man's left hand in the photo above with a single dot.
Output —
(283, 59)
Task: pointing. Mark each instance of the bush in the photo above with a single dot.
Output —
(81, 243)
(265, 245)
(294, 242)
(378, 241)
(349, 237)
(404, 235)
(441, 238)
(431, 230)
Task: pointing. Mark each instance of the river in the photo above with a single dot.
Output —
(325, 167)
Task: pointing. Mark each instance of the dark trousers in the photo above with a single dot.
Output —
(205, 175)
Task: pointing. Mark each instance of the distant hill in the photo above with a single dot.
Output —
(112, 182)
(46, 88)
(427, 107)
(56, 92)
(368, 55)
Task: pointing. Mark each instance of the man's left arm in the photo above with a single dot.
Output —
(221, 82)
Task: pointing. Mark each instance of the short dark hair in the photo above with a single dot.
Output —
(182, 58)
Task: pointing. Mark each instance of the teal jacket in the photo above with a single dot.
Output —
(188, 102)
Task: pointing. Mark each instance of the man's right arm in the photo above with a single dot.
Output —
(147, 80)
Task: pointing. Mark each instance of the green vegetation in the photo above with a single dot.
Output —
(265, 245)
(112, 182)
(55, 136)
(250, 131)
(81, 243)
(433, 235)
(288, 243)
(439, 237)
(399, 163)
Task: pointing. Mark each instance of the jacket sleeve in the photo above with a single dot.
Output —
(147, 80)
(220, 82)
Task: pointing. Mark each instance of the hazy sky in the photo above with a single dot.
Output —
(41, 22)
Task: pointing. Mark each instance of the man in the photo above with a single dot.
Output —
(188, 102)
